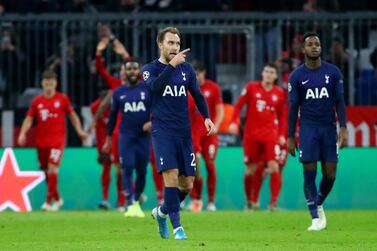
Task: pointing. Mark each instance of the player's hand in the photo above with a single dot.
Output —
(90, 130)
(233, 128)
(21, 140)
(147, 127)
(292, 146)
(342, 137)
(83, 136)
(211, 128)
(180, 58)
(282, 141)
(107, 146)
(101, 46)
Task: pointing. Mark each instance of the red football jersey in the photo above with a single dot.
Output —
(265, 111)
(212, 92)
(50, 113)
(101, 125)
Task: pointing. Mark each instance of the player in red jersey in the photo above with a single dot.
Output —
(103, 158)
(264, 126)
(113, 83)
(208, 145)
(49, 109)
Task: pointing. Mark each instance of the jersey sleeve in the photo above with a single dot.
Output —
(244, 97)
(218, 98)
(67, 105)
(156, 82)
(105, 75)
(194, 90)
(113, 114)
(339, 82)
(32, 109)
(293, 88)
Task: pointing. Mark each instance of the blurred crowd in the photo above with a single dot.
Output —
(92, 6)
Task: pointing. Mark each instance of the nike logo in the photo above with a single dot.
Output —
(123, 96)
(304, 82)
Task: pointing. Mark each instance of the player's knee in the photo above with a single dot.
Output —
(273, 167)
(53, 168)
(250, 169)
(170, 178)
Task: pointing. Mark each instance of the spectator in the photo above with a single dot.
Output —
(11, 59)
(367, 83)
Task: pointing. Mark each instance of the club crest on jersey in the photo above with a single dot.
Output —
(134, 106)
(146, 75)
(207, 94)
(317, 93)
(184, 76)
(57, 104)
(40, 106)
(274, 98)
(174, 92)
(289, 87)
(258, 95)
(327, 77)
(142, 95)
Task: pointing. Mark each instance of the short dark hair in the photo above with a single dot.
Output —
(308, 34)
(198, 65)
(271, 65)
(49, 74)
(132, 60)
(161, 33)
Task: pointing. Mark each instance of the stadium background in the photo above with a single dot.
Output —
(233, 38)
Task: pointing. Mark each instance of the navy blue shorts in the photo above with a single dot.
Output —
(134, 150)
(174, 153)
(318, 143)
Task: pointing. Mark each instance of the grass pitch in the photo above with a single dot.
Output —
(227, 230)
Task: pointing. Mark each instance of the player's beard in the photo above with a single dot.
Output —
(312, 58)
(132, 81)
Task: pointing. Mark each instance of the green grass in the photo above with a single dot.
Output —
(228, 230)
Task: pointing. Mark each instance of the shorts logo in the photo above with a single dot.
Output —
(146, 75)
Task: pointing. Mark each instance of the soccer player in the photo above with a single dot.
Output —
(169, 78)
(263, 127)
(103, 158)
(113, 83)
(49, 108)
(316, 88)
(132, 100)
(208, 144)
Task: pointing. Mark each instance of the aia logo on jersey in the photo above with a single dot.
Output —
(317, 93)
(134, 107)
(57, 104)
(173, 91)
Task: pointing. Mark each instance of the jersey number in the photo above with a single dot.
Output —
(193, 163)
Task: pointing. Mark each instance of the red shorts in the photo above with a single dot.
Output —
(209, 146)
(49, 155)
(115, 148)
(260, 151)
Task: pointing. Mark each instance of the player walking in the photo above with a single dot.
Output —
(316, 87)
(49, 108)
(133, 101)
(264, 128)
(169, 78)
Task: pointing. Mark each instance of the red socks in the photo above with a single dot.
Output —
(247, 186)
(52, 188)
(105, 180)
(257, 183)
(196, 192)
(275, 186)
(211, 181)
(121, 197)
